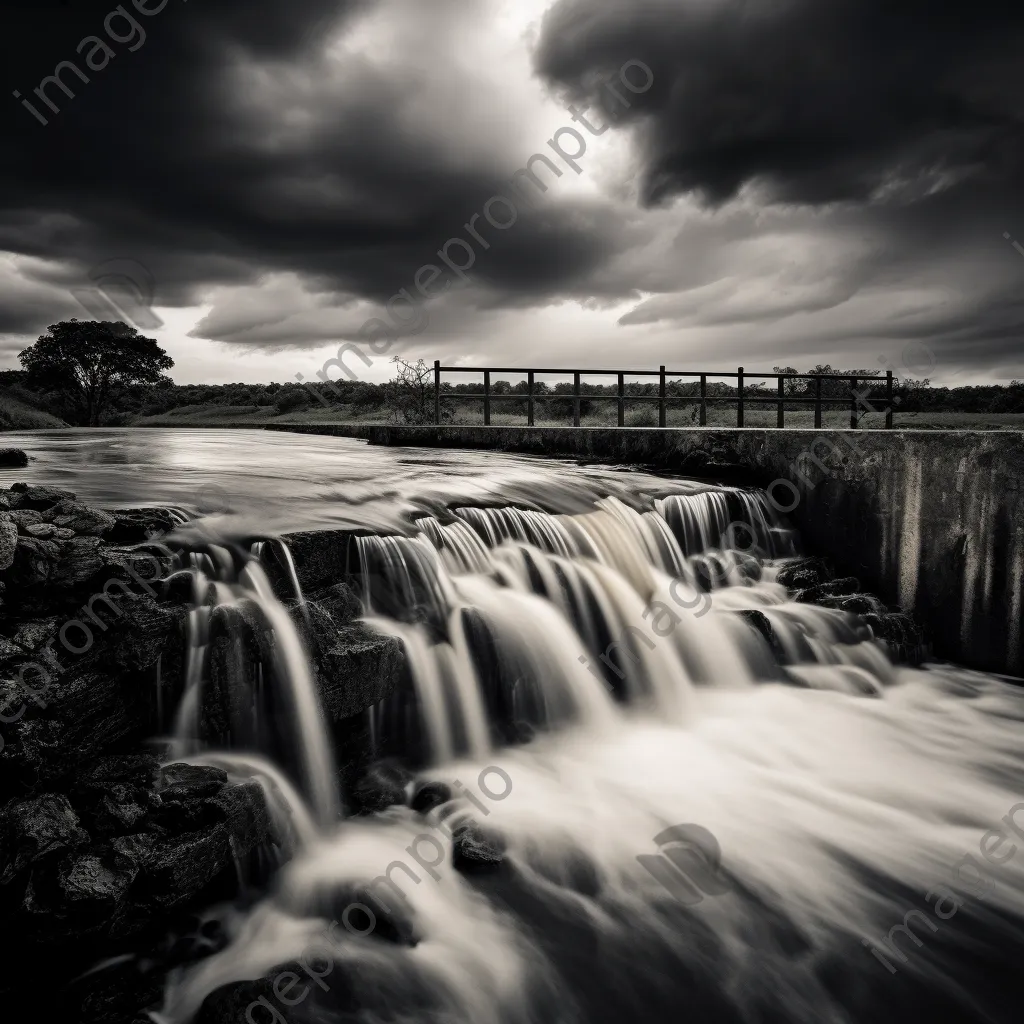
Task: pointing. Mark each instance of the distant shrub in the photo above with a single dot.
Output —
(291, 399)
(645, 416)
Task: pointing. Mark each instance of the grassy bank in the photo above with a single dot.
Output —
(17, 414)
(605, 415)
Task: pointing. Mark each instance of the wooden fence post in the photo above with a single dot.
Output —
(888, 399)
(781, 422)
(703, 399)
(739, 398)
(853, 403)
(529, 398)
(487, 398)
(576, 399)
(437, 391)
(622, 400)
(817, 403)
(662, 411)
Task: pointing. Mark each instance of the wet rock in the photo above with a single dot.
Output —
(174, 869)
(13, 458)
(183, 790)
(323, 558)
(182, 781)
(179, 586)
(45, 531)
(354, 667)
(383, 785)
(477, 847)
(24, 518)
(94, 881)
(103, 691)
(30, 830)
(115, 794)
(430, 795)
(73, 515)
(856, 604)
(834, 588)
(803, 574)
(760, 622)
(34, 561)
(341, 602)
(8, 542)
(36, 497)
(137, 525)
(901, 635)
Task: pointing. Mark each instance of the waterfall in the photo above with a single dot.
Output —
(627, 667)
(256, 695)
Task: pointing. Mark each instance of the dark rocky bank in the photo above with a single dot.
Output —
(103, 852)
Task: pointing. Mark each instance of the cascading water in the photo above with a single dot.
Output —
(261, 687)
(613, 665)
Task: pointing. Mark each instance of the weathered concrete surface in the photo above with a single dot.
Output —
(932, 520)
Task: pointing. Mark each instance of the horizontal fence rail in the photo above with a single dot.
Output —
(742, 396)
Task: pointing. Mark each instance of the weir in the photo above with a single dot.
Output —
(930, 520)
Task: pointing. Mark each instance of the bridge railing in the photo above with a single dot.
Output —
(743, 395)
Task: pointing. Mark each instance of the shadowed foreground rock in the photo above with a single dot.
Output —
(13, 458)
(102, 851)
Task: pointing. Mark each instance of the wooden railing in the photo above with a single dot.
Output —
(741, 397)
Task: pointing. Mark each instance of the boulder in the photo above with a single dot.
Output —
(45, 531)
(477, 847)
(33, 496)
(137, 525)
(323, 557)
(174, 869)
(24, 518)
(8, 542)
(73, 515)
(801, 573)
(114, 794)
(31, 830)
(97, 688)
(354, 666)
(761, 623)
(13, 458)
(34, 562)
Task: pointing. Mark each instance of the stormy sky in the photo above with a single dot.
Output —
(791, 182)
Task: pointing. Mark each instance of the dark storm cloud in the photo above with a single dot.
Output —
(190, 156)
(822, 101)
(902, 120)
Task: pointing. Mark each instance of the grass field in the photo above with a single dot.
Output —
(637, 415)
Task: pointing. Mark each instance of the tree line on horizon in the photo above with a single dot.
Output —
(107, 374)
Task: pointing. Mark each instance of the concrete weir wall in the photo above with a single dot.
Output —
(930, 520)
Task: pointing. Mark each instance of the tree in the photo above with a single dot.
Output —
(90, 364)
(409, 395)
